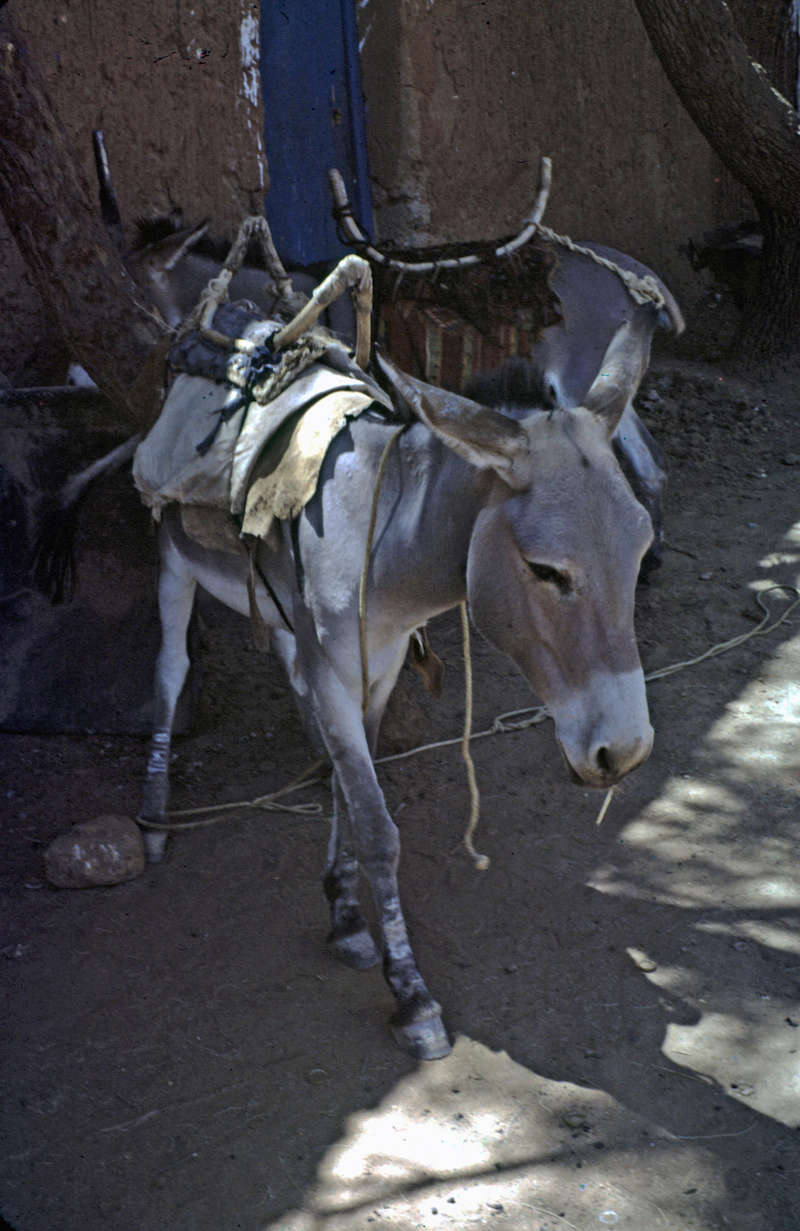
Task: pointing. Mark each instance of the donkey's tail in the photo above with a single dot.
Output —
(53, 571)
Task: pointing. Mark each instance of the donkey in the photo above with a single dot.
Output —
(174, 264)
(529, 520)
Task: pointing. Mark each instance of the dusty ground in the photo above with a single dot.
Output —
(182, 1053)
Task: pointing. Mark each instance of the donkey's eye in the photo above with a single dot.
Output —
(546, 572)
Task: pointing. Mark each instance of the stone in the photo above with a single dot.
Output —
(103, 851)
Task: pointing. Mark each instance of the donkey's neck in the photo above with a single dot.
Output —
(429, 501)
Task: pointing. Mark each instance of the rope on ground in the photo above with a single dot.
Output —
(505, 723)
(268, 803)
(520, 720)
(761, 630)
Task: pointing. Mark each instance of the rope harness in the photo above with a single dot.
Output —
(641, 290)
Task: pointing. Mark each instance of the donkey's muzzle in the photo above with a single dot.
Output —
(607, 763)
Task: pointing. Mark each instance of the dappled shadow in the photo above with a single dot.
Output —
(479, 1140)
(185, 1054)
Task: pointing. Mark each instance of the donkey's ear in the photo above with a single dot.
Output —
(624, 364)
(175, 248)
(164, 254)
(481, 436)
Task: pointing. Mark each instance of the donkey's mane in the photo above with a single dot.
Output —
(517, 384)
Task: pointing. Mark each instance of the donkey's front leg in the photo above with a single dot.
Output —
(176, 591)
(417, 1023)
(349, 937)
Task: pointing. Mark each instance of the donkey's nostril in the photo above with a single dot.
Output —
(615, 759)
(603, 760)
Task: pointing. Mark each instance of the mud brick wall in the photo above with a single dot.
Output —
(176, 89)
(463, 99)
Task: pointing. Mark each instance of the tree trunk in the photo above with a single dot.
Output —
(754, 130)
(49, 210)
(768, 330)
(768, 29)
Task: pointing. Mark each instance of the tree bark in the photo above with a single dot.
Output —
(754, 130)
(50, 212)
(768, 30)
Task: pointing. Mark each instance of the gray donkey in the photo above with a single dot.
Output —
(528, 519)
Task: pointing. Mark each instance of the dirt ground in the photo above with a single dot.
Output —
(181, 1052)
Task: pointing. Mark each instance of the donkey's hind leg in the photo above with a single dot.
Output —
(349, 938)
(176, 591)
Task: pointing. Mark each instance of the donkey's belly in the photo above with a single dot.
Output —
(232, 591)
(223, 574)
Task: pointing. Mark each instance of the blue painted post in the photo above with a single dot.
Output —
(314, 120)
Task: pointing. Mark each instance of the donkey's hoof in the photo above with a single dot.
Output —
(424, 1040)
(357, 949)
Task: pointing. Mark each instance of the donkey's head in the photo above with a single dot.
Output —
(554, 558)
(173, 264)
(163, 264)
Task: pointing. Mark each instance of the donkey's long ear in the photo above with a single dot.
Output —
(172, 250)
(162, 255)
(624, 364)
(482, 436)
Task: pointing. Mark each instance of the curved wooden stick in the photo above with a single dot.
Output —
(352, 271)
(344, 215)
(217, 290)
(642, 290)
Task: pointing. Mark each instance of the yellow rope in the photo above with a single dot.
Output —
(641, 290)
(266, 802)
(481, 861)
